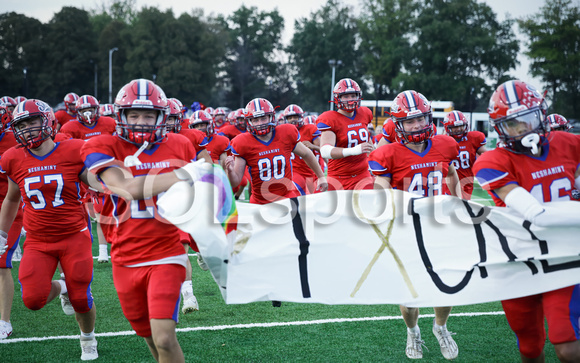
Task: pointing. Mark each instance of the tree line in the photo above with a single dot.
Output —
(454, 50)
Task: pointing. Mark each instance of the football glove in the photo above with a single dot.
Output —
(3, 242)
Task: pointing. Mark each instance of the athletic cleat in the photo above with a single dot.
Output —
(89, 349)
(415, 345)
(190, 305)
(448, 346)
(5, 329)
(276, 303)
(201, 262)
(66, 305)
(103, 258)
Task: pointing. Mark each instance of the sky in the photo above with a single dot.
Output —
(291, 10)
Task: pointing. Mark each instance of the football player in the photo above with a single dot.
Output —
(345, 138)
(302, 175)
(7, 251)
(90, 123)
(471, 145)
(266, 150)
(136, 164)
(534, 166)
(420, 164)
(69, 112)
(217, 145)
(559, 123)
(46, 175)
(235, 129)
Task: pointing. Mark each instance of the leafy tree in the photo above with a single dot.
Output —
(71, 45)
(21, 45)
(254, 36)
(554, 48)
(385, 28)
(329, 33)
(459, 44)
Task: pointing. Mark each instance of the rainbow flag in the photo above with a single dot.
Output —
(227, 213)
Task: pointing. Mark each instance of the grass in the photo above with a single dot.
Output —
(223, 333)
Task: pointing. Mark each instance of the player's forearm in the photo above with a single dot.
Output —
(136, 188)
(312, 163)
(311, 146)
(331, 152)
(8, 213)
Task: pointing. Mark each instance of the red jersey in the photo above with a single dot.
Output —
(549, 177)
(349, 133)
(77, 130)
(62, 117)
(269, 163)
(7, 141)
(140, 233)
(230, 131)
(463, 163)
(389, 131)
(419, 173)
(50, 188)
(196, 137)
(307, 133)
(216, 146)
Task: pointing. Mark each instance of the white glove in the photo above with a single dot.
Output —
(3, 242)
(192, 172)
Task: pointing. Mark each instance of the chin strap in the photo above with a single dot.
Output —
(531, 141)
(133, 160)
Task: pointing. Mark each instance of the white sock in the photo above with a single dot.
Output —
(88, 336)
(103, 250)
(63, 289)
(435, 325)
(414, 330)
(187, 289)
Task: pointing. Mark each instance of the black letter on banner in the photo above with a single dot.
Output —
(427, 263)
(546, 267)
(304, 244)
(479, 236)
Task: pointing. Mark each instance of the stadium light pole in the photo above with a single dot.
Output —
(111, 51)
(96, 78)
(333, 63)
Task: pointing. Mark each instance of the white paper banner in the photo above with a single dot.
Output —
(380, 247)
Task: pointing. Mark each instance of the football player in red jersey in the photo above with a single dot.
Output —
(345, 138)
(9, 103)
(389, 133)
(136, 164)
(534, 166)
(238, 127)
(420, 164)
(69, 112)
(108, 110)
(7, 250)
(218, 145)
(266, 150)
(175, 125)
(46, 175)
(471, 145)
(302, 175)
(88, 124)
(559, 123)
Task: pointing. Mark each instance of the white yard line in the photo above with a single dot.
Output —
(250, 326)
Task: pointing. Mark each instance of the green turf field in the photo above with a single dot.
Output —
(257, 332)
